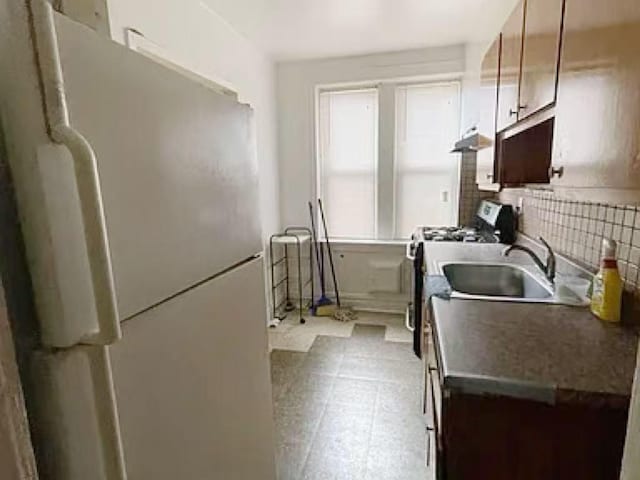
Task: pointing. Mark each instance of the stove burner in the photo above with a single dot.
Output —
(452, 234)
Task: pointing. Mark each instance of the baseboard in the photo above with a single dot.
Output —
(383, 303)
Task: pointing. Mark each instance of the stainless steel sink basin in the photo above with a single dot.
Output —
(496, 281)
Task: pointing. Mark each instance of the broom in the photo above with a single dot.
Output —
(323, 307)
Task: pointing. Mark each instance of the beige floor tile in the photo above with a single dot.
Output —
(291, 335)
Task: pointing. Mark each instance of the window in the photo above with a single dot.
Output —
(384, 165)
(348, 151)
(427, 126)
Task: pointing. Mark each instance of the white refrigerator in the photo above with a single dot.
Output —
(147, 269)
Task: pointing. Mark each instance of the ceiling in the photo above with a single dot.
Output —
(298, 29)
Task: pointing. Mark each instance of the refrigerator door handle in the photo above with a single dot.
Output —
(95, 235)
(87, 180)
(108, 422)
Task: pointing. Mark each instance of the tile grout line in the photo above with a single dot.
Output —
(373, 418)
(322, 415)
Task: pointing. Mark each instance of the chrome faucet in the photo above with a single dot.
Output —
(549, 269)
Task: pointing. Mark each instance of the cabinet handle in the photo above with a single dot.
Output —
(556, 172)
(489, 176)
(429, 431)
(515, 112)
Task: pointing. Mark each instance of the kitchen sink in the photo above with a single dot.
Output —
(496, 281)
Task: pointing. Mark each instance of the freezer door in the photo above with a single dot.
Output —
(176, 163)
(192, 384)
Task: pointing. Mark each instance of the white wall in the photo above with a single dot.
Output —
(296, 82)
(198, 38)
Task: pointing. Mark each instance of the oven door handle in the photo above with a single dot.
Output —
(408, 252)
(408, 318)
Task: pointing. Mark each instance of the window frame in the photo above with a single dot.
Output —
(385, 228)
(319, 173)
(455, 195)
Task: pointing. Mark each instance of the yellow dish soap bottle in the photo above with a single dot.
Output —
(606, 297)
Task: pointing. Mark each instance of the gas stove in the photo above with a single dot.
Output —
(454, 234)
(493, 223)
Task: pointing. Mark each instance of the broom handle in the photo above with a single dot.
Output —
(315, 245)
(333, 270)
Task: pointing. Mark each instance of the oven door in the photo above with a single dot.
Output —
(409, 317)
(413, 317)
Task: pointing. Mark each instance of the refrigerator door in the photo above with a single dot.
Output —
(76, 413)
(192, 384)
(176, 165)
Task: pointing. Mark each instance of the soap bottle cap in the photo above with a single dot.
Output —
(609, 248)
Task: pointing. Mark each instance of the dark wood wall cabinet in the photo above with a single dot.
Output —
(487, 437)
(525, 157)
(577, 61)
(526, 54)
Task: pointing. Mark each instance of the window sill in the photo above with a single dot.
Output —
(364, 241)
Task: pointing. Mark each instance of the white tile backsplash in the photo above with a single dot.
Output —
(576, 228)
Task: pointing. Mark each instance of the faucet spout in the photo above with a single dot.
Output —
(549, 269)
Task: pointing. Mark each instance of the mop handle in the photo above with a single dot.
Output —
(333, 270)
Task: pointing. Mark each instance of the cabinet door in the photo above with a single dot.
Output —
(597, 136)
(541, 48)
(488, 106)
(526, 157)
(510, 63)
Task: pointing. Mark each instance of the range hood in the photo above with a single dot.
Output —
(472, 141)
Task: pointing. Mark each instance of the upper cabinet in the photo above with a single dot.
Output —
(574, 66)
(540, 55)
(488, 102)
(529, 60)
(510, 63)
(597, 136)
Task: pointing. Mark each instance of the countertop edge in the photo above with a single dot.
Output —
(486, 385)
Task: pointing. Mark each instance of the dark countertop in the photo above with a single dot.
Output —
(549, 353)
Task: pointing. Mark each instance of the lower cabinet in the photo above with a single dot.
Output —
(474, 436)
